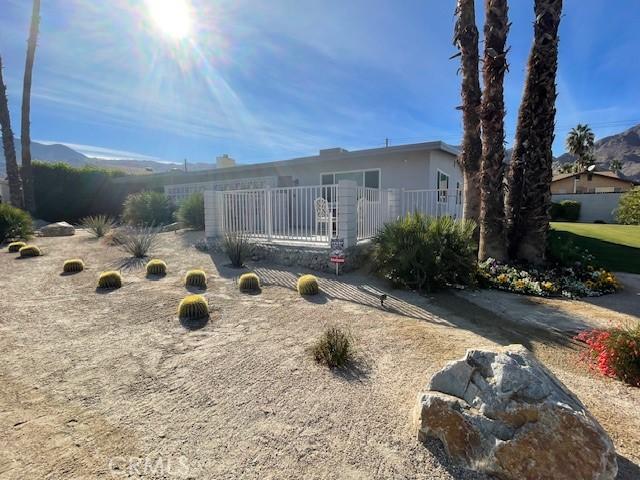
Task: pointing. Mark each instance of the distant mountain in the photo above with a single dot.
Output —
(47, 153)
(141, 167)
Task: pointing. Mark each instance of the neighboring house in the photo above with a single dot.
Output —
(590, 182)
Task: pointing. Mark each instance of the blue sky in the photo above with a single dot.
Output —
(270, 80)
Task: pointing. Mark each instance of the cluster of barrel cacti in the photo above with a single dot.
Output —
(156, 267)
(193, 307)
(308, 285)
(73, 265)
(195, 278)
(15, 247)
(29, 251)
(249, 282)
(110, 280)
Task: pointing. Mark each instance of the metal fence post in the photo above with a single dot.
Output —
(269, 212)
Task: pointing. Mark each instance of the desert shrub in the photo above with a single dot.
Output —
(308, 285)
(98, 225)
(195, 278)
(334, 348)
(614, 352)
(570, 210)
(249, 282)
(426, 253)
(15, 246)
(72, 266)
(148, 208)
(15, 224)
(193, 307)
(237, 248)
(30, 251)
(156, 267)
(110, 279)
(137, 241)
(191, 211)
(556, 211)
(628, 211)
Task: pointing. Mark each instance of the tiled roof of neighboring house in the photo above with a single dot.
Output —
(561, 176)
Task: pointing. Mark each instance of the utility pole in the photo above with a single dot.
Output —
(386, 142)
(185, 164)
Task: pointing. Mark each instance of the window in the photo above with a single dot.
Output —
(366, 178)
(442, 186)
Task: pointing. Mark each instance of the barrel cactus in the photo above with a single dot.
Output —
(73, 266)
(249, 282)
(308, 285)
(16, 246)
(29, 251)
(156, 267)
(110, 279)
(196, 278)
(193, 307)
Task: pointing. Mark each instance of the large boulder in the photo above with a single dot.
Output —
(58, 229)
(503, 413)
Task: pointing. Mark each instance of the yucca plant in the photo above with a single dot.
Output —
(308, 285)
(29, 251)
(98, 225)
(73, 266)
(16, 246)
(249, 282)
(156, 267)
(195, 278)
(137, 241)
(193, 307)
(237, 248)
(110, 279)
(334, 348)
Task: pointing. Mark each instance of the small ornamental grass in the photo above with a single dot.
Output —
(334, 348)
(308, 285)
(110, 279)
(29, 251)
(237, 248)
(193, 307)
(73, 265)
(249, 282)
(195, 278)
(15, 246)
(98, 225)
(137, 241)
(156, 267)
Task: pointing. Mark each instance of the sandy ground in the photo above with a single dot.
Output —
(111, 385)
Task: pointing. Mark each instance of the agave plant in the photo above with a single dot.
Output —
(138, 241)
(237, 248)
(98, 225)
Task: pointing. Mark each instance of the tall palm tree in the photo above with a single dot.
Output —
(580, 143)
(466, 39)
(15, 185)
(25, 134)
(492, 228)
(530, 176)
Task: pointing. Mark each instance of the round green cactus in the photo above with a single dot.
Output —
(29, 251)
(308, 285)
(16, 246)
(196, 278)
(110, 279)
(193, 307)
(156, 267)
(73, 265)
(249, 282)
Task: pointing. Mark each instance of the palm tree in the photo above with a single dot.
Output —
(466, 39)
(25, 135)
(531, 172)
(492, 231)
(616, 165)
(580, 142)
(15, 185)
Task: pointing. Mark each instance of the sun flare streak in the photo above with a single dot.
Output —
(172, 17)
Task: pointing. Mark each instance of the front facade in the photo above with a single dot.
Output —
(590, 182)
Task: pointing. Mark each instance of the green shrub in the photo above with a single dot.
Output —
(15, 246)
(148, 208)
(98, 225)
(426, 253)
(191, 211)
(628, 211)
(110, 279)
(308, 285)
(556, 211)
(72, 266)
(570, 210)
(30, 251)
(195, 278)
(237, 248)
(137, 241)
(156, 267)
(15, 224)
(193, 307)
(249, 282)
(334, 348)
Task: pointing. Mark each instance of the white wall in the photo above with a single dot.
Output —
(593, 206)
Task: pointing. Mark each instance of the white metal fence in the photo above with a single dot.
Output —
(434, 203)
(373, 211)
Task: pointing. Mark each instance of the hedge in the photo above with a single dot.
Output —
(567, 210)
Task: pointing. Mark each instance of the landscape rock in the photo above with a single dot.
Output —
(503, 413)
(172, 227)
(58, 229)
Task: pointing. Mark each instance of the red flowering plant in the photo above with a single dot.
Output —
(614, 352)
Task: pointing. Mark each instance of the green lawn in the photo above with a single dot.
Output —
(616, 247)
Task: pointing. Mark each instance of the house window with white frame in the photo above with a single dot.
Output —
(363, 178)
(443, 186)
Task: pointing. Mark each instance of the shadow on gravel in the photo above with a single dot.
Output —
(436, 448)
(627, 470)
(195, 324)
(129, 263)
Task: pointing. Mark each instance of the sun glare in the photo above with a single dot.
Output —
(171, 17)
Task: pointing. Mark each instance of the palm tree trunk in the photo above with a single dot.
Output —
(466, 39)
(15, 185)
(531, 167)
(25, 135)
(492, 214)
